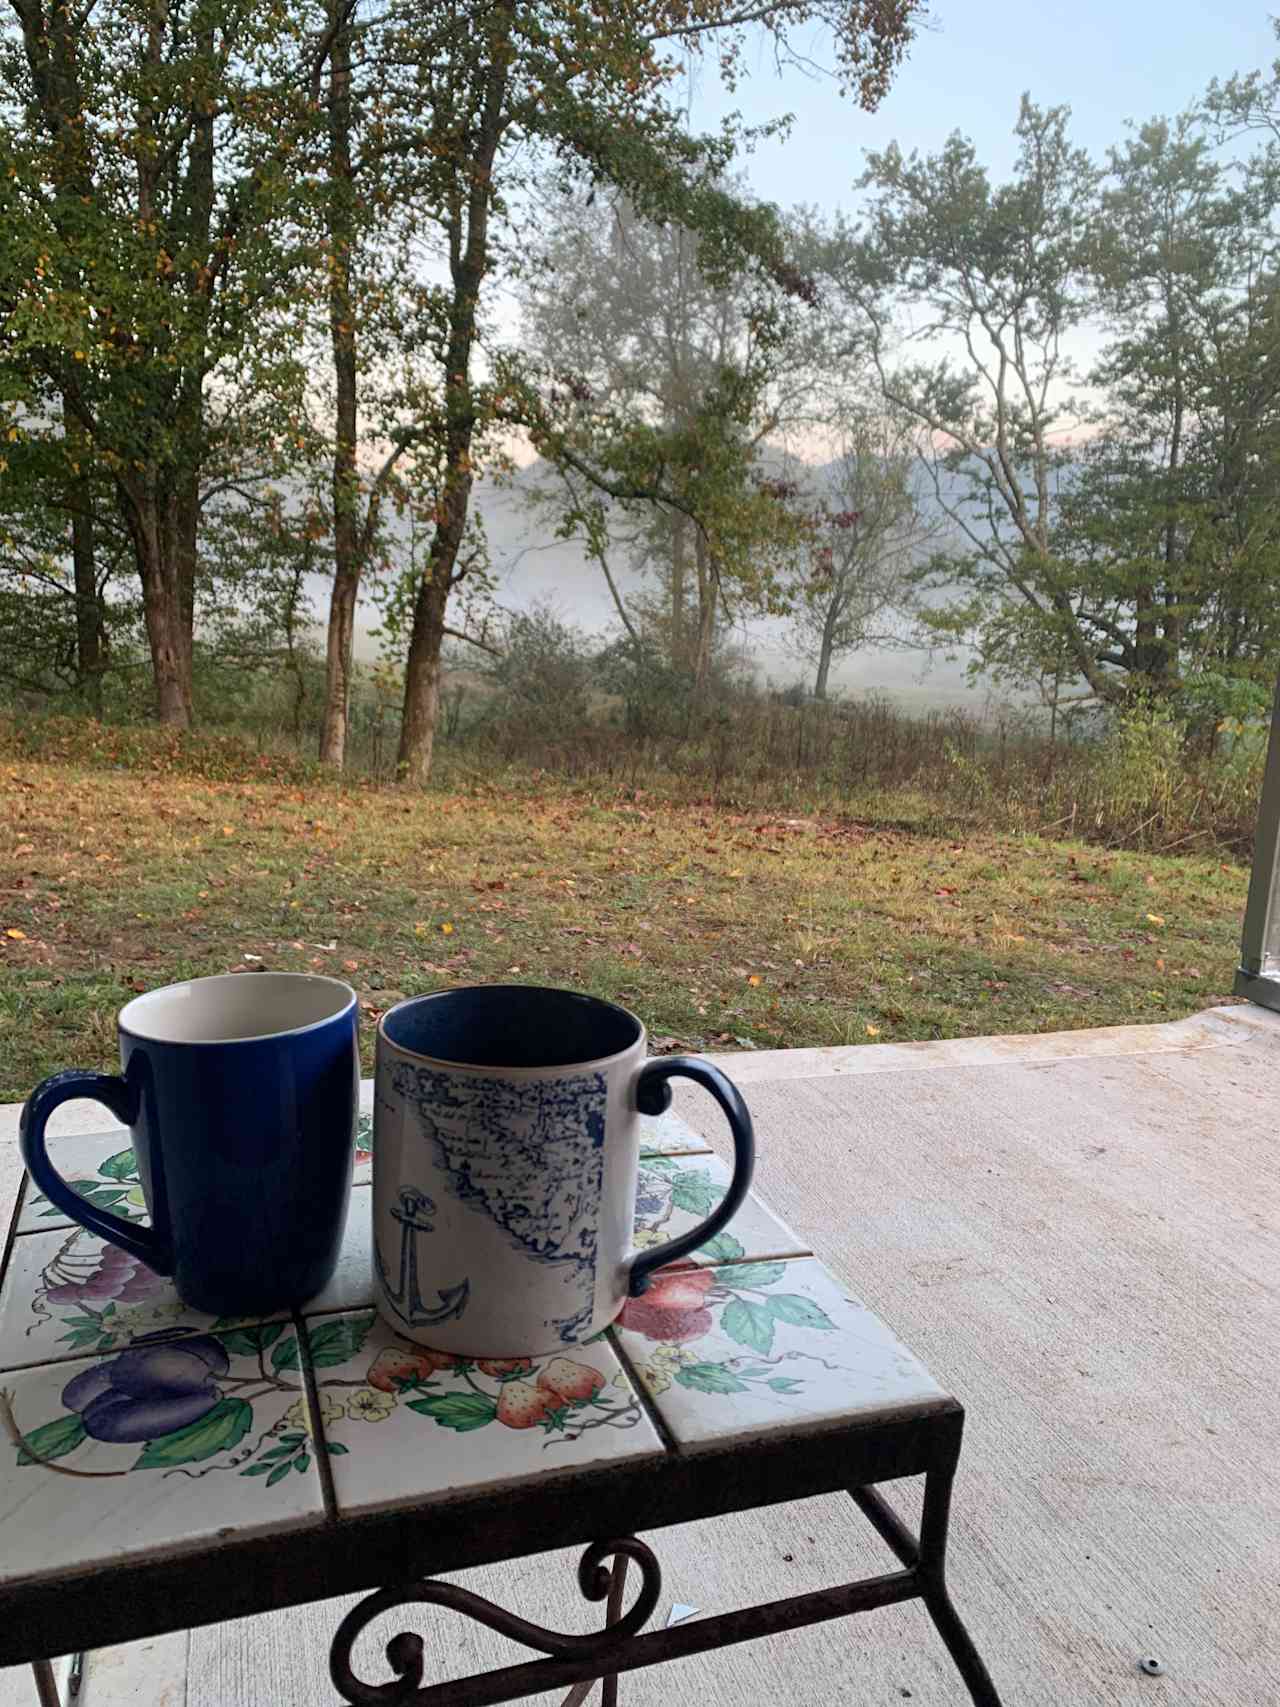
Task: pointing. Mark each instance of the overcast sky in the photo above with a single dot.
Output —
(1108, 60)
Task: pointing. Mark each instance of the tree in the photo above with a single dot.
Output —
(145, 185)
(504, 88)
(1001, 276)
(619, 309)
(871, 533)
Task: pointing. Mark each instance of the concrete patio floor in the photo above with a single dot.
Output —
(1077, 1233)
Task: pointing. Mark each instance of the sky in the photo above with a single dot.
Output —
(1109, 60)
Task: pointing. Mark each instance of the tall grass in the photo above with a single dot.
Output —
(1137, 783)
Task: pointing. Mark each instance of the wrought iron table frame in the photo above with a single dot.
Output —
(239, 1576)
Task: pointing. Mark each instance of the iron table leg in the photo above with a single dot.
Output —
(580, 1691)
(46, 1686)
(926, 1559)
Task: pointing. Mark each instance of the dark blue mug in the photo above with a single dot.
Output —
(241, 1093)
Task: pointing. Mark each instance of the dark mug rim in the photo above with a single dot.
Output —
(614, 1010)
(132, 1030)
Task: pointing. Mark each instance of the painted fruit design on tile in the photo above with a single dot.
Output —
(739, 1301)
(665, 1187)
(364, 1138)
(102, 1296)
(115, 1186)
(185, 1400)
(562, 1396)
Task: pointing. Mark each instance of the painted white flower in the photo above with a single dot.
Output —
(368, 1406)
(297, 1416)
(664, 1363)
(645, 1237)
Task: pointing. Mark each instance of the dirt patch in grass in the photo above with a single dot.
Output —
(721, 929)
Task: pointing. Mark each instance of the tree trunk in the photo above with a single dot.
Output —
(90, 636)
(678, 525)
(707, 591)
(342, 333)
(186, 529)
(422, 681)
(468, 264)
(824, 662)
(150, 525)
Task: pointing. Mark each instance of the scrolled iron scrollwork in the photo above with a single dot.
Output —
(404, 1652)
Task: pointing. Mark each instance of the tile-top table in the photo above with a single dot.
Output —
(165, 1468)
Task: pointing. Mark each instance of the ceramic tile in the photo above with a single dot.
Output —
(402, 1423)
(218, 1435)
(66, 1293)
(738, 1350)
(101, 1167)
(352, 1285)
(668, 1135)
(676, 1192)
(363, 1171)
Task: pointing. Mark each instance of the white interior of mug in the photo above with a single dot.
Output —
(235, 1007)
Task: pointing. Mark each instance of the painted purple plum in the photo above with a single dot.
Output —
(150, 1390)
(116, 1275)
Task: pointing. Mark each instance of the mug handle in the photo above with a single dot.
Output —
(116, 1094)
(653, 1096)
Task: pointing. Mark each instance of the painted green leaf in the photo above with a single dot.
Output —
(657, 1164)
(749, 1324)
(460, 1411)
(364, 1133)
(248, 1342)
(262, 1469)
(83, 1333)
(799, 1312)
(285, 1356)
(334, 1448)
(723, 1248)
(335, 1342)
(102, 1197)
(277, 1475)
(302, 1462)
(123, 1165)
(784, 1384)
(754, 1274)
(53, 1439)
(224, 1426)
(695, 1192)
(709, 1378)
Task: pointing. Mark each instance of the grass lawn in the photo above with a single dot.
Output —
(722, 930)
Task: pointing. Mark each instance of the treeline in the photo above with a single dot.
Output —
(252, 263)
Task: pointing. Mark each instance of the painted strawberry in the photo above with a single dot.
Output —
(502, 1366)
(397, 1364)
(523, 1405)
(674, 1308)
(565, 1379)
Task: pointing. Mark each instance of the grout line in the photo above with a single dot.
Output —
(319, 1441)
(644, 1398)
(11, 1232)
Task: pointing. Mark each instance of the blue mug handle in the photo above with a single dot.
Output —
(121, 1098)
(653, 1096)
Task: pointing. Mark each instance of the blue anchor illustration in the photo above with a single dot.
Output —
(406, 1300)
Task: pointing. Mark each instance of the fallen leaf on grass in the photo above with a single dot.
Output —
(1155, 918)
(16, 934)
(754, 980)
(873, 1031)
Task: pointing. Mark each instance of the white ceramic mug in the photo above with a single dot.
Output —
(506, 1144)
